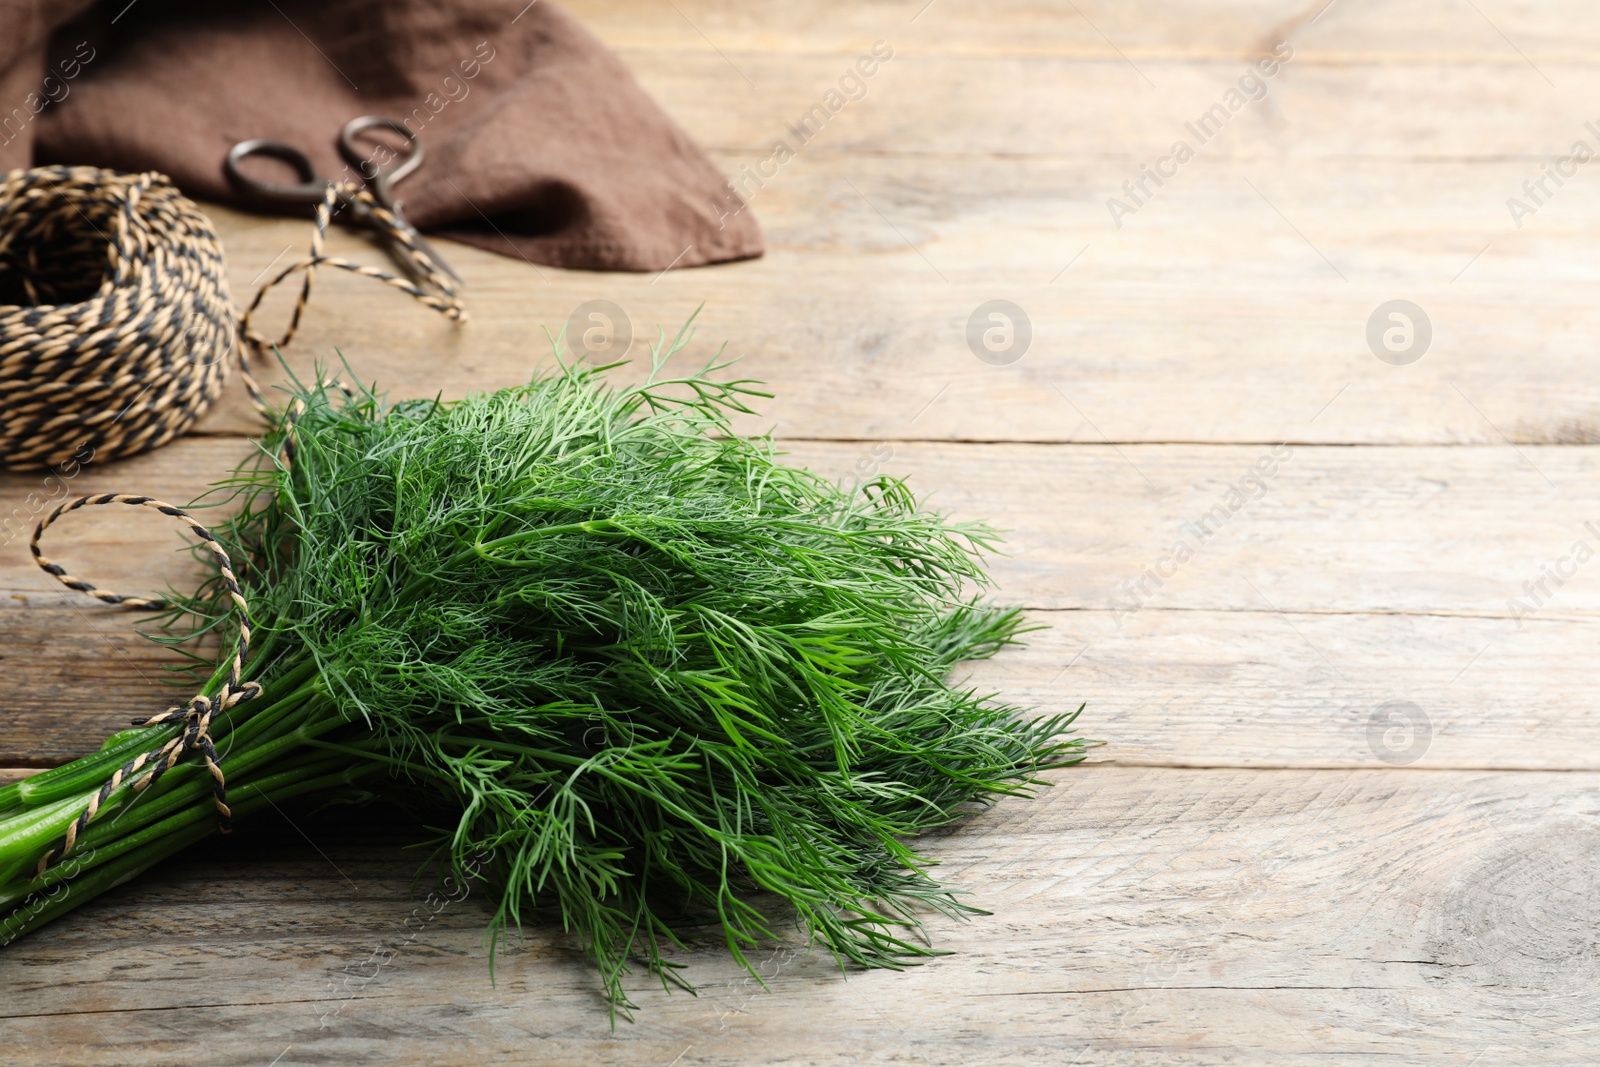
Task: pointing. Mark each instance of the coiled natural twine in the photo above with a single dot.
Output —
(116, 334)
(116, 327)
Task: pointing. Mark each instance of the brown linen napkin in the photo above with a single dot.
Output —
(540, 143)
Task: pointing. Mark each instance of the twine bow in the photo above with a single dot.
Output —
(121, 372)
(197, 714)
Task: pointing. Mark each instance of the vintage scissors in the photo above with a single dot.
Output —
(380, 180)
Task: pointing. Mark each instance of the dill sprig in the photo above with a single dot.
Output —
(662, 678)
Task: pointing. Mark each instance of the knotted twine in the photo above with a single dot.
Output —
(116, 335)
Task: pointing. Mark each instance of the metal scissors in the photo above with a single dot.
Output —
(380, 181)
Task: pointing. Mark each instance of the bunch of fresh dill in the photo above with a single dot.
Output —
(662, 677)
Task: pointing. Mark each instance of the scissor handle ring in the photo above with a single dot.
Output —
(310, 190)
(381, 178)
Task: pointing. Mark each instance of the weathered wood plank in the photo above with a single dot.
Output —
(1436, 29)
(75, 670)
(1329, 105)
(75, 673)
(1262, 689)
(1314, 529)
(1157, 917)
(132, 550)
(1392, 568)
(1168, 688)
(1207, 317)
(1302, 528)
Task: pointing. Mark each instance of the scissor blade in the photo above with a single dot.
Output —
(426, 248)
(409, 233)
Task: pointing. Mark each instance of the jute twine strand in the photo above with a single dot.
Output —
(436, 290)
(115, 319)
(135, 364)
(197, 714)
(117, 330)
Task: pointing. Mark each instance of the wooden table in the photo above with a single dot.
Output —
(1349, 805)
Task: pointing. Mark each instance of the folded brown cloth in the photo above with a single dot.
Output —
(540, 143)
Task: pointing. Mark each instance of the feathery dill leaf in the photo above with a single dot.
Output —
(661, 675)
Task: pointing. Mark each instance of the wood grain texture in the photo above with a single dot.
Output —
(1160, 917)
(1354, 578)
(1401, 29)
(1346, 812)
(1233, 308)
(1304, 528)
(75, 673)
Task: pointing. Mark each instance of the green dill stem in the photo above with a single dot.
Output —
(592, 764)
(23, 838)
(480, 549)
(70, 779)
(157, 843)
(193, 794)
(31, 792)
(27, 834)
(270, 722)
(104, 841)
(291, 734)
(762, 654)
(73, 778)
(476, 551)
(588, 526)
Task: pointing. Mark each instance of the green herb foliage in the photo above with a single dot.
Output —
(666, 680)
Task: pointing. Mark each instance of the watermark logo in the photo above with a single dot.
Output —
(1250, 88)
(1399, 733)
(999, 332)
(54, 89)
(1552, 576)
(872, 464)
(57, 888)
(1537, 192)
(599, 331)
(357, 976)
(1399, 332)
(737, 192)
(1132, 595)
(56, 489)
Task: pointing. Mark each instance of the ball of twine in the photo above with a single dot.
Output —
(116, 326)
(116, 334)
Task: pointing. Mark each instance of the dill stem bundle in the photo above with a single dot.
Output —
(665, 681)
